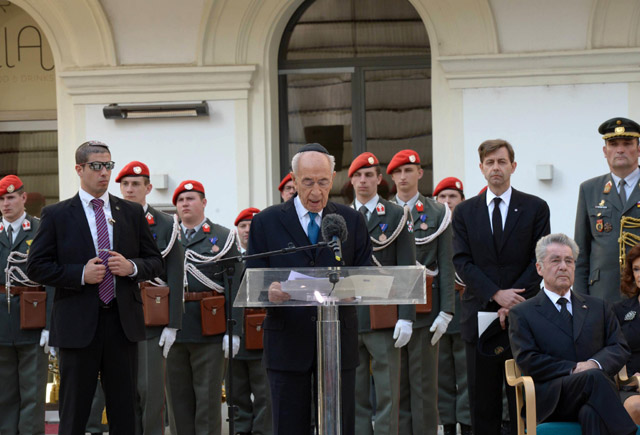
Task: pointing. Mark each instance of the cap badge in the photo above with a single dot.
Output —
(607, 187)
(618, 122)
(11, 188)
(26, 224)
(619, 130)
(380, 209)
(188, 186)
(206, 228)
(370, 160)
(137, 169)
(458, 185)
(412, 158)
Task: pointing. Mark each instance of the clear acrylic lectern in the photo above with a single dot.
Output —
(328, 288)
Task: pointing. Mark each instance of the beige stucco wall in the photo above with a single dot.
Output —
(162, 51)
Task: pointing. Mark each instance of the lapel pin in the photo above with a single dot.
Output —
(584, 306)
(629, 316)
(112, 221)
(515, 209)
(607, 187)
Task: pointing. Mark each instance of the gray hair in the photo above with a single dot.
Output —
(296, 159)
(559, 238)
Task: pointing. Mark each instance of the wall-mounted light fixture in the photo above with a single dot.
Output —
(182, 110)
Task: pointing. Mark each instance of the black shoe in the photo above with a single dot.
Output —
(465, 429)
(449, 429)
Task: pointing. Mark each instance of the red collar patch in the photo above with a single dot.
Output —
(150, 219)
(206, 228)
(380, 209)
(419, 206)
(26, 225)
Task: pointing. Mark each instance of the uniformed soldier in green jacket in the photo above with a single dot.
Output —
(249, 376)
(602, 203)
(453, 390)
(152, 352)
(431, 223)
(382, 330)
(196, 363)
(23, 364)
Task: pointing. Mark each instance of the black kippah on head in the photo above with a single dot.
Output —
(313, 147)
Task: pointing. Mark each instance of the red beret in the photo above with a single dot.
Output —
(404, 157)
(449, 183)
(134, 169)
(284, 181)
(246, 215)
(187, 186)
(364, 160)
(10, 184)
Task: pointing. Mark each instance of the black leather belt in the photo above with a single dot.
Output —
(111, 304)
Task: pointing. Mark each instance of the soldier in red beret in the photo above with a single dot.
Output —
(23, 365)
(196, 363)
(430, 221)
(249, 376)
(453, 390)
(379, 343)
(287, 188)
(135, 186)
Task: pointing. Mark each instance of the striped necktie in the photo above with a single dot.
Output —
(106, 288)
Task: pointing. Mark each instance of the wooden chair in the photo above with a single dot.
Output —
(526, 397)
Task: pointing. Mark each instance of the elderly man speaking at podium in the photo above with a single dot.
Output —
(290, 333)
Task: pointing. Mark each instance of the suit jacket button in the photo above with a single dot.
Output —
(312, 263)
(313, 318)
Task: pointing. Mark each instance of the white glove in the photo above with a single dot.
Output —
(225, 345)
(44, 341)
(440, 326)
(402, 331)
(167, 338)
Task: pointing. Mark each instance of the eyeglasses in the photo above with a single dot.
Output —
(97, 166)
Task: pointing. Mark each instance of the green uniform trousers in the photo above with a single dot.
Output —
(150, 400)
(453, 391)
(249, 377)
(194, 388)
(23, 370)
(419, 385)
(376, 351)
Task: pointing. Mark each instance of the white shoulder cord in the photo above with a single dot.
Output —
(14, 273)
(459, 281)
(175, 230)
(443, 226)
(191, 258)
(394, 235)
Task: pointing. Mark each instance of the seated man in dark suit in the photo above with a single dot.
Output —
(571, 345)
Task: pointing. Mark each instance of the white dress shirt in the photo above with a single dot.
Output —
(91, 216)
(504, 204)
(15, 225)
(370, 205)
(630, 181)
(303, 215)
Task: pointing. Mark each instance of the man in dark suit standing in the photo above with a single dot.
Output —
(290, 333)
(571, 345)
(94, 249)
(494, 236)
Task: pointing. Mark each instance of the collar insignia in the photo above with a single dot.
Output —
(607, 187)
(26, 225)
(380, 209)
(419, 206)
(206, 228)
(150, 219)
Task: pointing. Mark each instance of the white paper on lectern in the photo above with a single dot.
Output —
(485, 318)
(368, 286)
(303, 287)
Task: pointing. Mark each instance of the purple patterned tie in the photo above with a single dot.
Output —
(106, 287)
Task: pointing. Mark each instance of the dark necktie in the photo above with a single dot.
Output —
(313, 229)
(496, 221)
(190, 233)
(364, 211)
(565, 315)
(622, 192)
(106, 288)
(10, 234)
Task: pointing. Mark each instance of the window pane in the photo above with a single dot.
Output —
(32, 156)
(358, 28)
(398, 107)
(319, 110)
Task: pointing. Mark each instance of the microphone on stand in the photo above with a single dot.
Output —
(334, 231)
